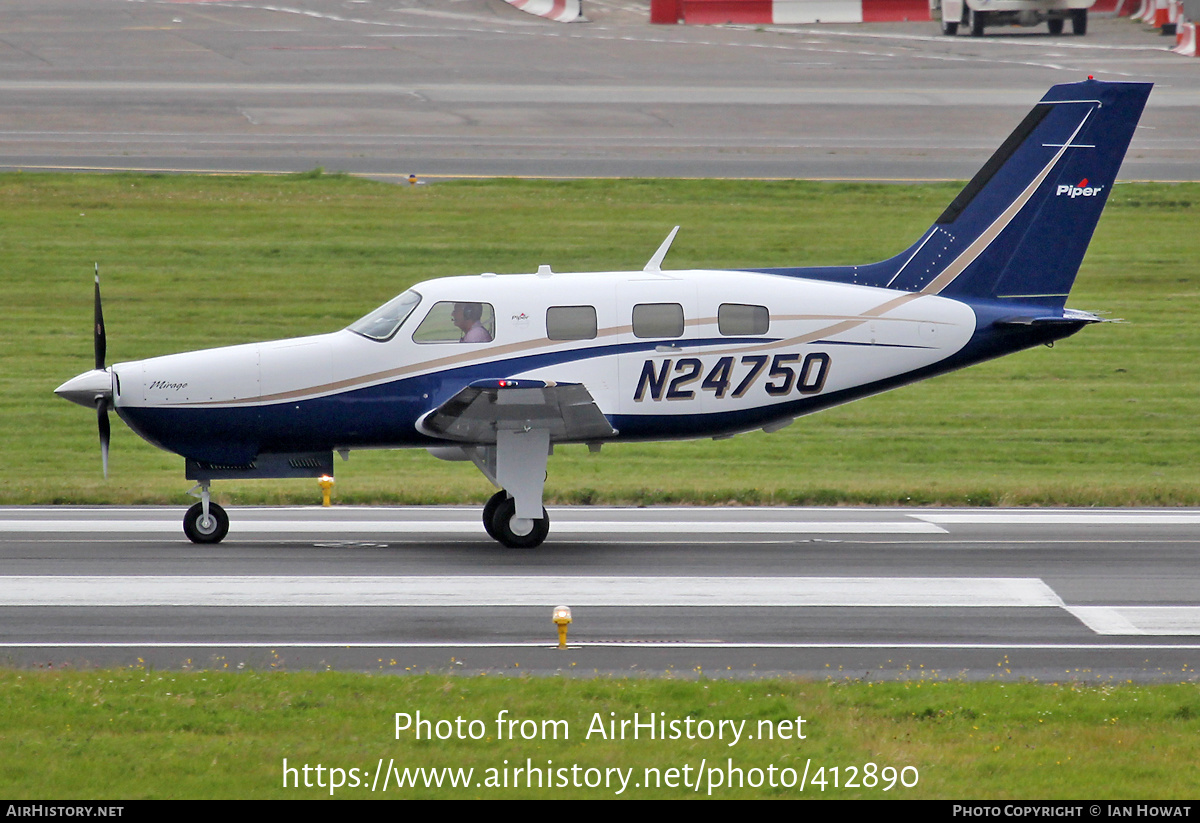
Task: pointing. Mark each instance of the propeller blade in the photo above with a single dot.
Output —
(100, 339)
(105, 432)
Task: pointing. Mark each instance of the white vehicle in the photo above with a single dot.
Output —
(497, 369)
(976, 15)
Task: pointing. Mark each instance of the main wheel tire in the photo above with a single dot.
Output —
(502, 527)
(949, 27)
(1055, 25)
(1079, 21)
(489, 512)
(976, 20)
(212, 531)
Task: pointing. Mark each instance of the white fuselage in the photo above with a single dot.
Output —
(721, 369)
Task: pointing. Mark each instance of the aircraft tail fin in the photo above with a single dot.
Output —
(1020, 228)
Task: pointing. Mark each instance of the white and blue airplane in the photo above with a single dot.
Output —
(497, 369)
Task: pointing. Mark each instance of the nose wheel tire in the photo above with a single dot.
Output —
(201, 530)
(515, 532)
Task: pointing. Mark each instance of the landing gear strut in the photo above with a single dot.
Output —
(517, 464)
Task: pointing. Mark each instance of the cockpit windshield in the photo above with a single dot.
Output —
(382, 323)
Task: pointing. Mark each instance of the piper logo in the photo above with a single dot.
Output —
(1082, 190)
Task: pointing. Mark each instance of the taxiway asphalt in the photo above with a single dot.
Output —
(475, 87)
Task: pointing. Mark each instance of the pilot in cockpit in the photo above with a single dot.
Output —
(468, 317)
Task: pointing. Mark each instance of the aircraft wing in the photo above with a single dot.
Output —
(474, 415)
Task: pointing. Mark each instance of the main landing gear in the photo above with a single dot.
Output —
(505, 428)
(514, 515)
(501, 523)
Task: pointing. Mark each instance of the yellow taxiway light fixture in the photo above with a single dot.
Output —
(326, 484)
(562, 619)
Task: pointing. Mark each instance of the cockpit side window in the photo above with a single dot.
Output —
(451, 321)
(383, 323)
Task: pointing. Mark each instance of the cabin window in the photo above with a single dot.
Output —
(382, 323)
(658, 320)
(457, 321)
(738, 318)
(571, 322)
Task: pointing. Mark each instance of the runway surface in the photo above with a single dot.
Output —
(476, 87)
(876, 593)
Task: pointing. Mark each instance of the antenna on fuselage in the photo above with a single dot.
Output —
(655, 263)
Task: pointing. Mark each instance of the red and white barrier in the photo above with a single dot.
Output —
(1119, 8)
(1185, 39)
(563, 11)
(1160, 14)
(1175, 12)
(767, 12)
(1167, 17)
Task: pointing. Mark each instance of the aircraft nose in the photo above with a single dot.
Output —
(86, 388)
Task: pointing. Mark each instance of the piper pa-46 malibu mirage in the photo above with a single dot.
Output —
(496, 369)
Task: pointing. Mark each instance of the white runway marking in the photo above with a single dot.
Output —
(549, 591)
(474, 527)
(1059, 518)
(1139, 620)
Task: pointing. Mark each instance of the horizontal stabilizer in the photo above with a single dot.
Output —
(1068, 317)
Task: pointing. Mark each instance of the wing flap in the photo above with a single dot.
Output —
(474, 415)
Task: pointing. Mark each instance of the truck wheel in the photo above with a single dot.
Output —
(976, 19)
(1079, 21)
(949, 28)
(1055, 25)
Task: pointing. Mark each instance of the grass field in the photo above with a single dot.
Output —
(136, 733)
(1106, 418)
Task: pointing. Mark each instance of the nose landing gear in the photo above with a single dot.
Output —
(205, 522)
